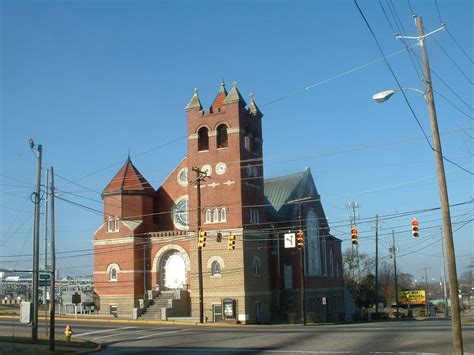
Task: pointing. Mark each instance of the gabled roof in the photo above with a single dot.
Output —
(280, 190)
(219, 100)
(129, 180)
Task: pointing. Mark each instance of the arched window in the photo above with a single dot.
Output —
(208, 215)
(223, 215)
(113, 274)
(222, 141)
(117, 223)
(215, 268)
(215, 216)
(256, 266)
(256, 142)
(110, 225)
(203, 139)
(113, 270)
(248, 140)
(312, 246)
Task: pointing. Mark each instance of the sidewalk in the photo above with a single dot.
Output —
(23, 345)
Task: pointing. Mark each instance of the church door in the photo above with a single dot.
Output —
(173, 271)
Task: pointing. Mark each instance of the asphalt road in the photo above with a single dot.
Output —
(426, 336)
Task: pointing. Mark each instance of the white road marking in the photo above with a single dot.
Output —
(163, 333)
(103, 331)
(116, 335)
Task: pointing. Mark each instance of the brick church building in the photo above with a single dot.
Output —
(146, 250)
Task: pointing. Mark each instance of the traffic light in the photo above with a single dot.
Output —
(300, 239)
(355, 238)
(202, 239)
(415, 228)
(231, 242)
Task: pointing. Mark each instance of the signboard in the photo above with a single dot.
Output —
(412, 297)
(229, 308)
(76, 298)
(44, 278)
(290, 240)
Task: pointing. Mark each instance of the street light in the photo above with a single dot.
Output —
(385, 95)
(443, 192)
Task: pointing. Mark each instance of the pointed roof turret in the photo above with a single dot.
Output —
(219, 100)
(194, 103)
(129, 180)
(234, 95)
(253, 108)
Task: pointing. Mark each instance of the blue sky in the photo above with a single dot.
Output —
(94, 80)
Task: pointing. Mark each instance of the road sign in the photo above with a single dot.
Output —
(412, 297)
(44, 278)
(290, 240)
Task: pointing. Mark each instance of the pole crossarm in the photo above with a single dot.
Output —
(420, 38)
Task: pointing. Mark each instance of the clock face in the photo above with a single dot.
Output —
(183, 177)
(221, 168)
(207, 169)
(181, 213)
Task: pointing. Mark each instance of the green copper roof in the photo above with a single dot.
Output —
(280, 190)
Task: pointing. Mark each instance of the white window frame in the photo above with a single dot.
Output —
(216, 269)
(110, 269)
(116, 224)
(208, 216)
(223, 214)
(215, 215)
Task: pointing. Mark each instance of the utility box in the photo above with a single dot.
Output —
(26, 312)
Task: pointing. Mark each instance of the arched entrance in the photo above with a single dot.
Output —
(172, 270)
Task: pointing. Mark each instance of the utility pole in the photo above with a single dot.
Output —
(46, 240)
(200, 175)
(393, 249)
(352, 206)
(302, 260)
(52, 300)
(144, 269)
(445, 291)
(34, 324)
(443, 191)
(427, 300)
(377, 266)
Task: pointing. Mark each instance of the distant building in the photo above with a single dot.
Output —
(147, 244)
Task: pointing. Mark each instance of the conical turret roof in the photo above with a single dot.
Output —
(129, 180)
(194, 103)
(221, 95)
(234, 95)
(253, 108)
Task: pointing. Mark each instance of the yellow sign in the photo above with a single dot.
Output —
(412, 297)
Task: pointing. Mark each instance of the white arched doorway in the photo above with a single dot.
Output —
(173, 270)
(172, 265)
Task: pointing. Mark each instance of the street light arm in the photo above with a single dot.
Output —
(383, 96)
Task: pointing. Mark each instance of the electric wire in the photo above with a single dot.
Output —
(404, 95)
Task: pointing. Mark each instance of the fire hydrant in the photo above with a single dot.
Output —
(68, 333)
